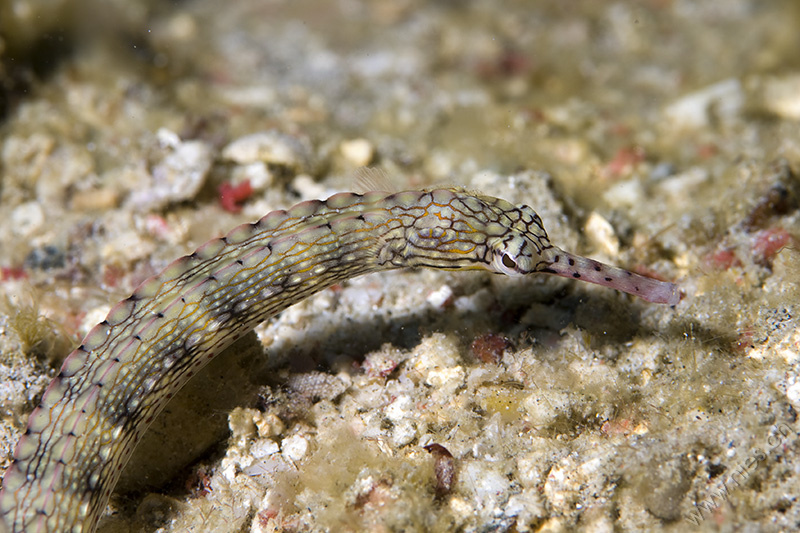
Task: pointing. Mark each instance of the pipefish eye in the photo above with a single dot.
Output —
(505, 262)
(508, 262)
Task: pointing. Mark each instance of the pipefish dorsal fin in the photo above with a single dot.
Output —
(380, 179)
(369, 179)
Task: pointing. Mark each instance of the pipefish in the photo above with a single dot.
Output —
(111, 387)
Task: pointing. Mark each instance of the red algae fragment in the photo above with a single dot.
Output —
(489, 348)
(7, 273)
(624, 162)
(231, 196)
(769, 242)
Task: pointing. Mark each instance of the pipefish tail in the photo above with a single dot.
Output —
(112, 386)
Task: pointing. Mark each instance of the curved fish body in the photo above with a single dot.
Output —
(129, 366)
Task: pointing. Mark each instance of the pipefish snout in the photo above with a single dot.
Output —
(112, 386)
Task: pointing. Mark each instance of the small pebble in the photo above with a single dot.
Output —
(264, 448)
(178, 176)
(444, 469)
(793, 394)
(294, 448)
(95, 200)
(27, 218)
(441, 297)
(272, 147)
(682, 185)
(308, 188)
(601, 234)
(781, 96)
(358, 152)
(258, 174)
(723, 100)
(269, 425)
(624, 194)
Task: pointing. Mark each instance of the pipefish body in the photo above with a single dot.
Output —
(111, 387)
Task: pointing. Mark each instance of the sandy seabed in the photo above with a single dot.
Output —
(662, 136)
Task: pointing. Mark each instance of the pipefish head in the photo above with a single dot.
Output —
(523, 248)
(463, 231)
(456, 230)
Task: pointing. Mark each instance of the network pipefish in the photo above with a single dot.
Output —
(112, 386)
